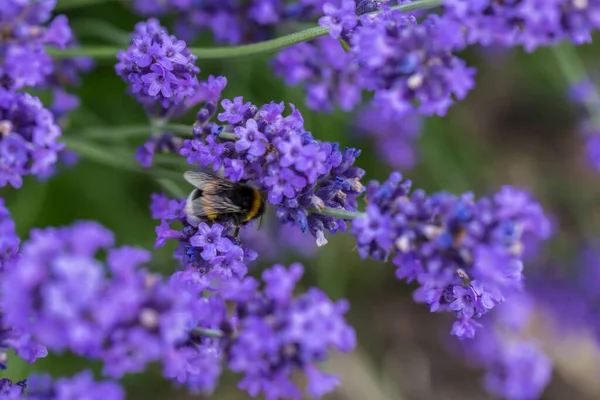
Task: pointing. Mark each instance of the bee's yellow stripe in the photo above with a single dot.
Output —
(255, 204)
(208, 210)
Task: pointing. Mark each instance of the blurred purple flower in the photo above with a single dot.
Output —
(278, 334)
(9, 240)
(24, 60)
(529, 23)
(394, 138)
(61, 294)
(327, 71)
(82, 385)
(465, 254)
(28, 138)
(338, 20)
(410, 66)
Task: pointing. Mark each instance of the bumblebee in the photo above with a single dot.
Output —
(221, 200)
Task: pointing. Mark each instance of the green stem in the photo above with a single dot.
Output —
(244, 50)
(132, 131)
(574, 71)
(116, 159)
(64, 5)
(213, 333)
(101, 29)
(115, 132)
(165, 178)
(335, 212)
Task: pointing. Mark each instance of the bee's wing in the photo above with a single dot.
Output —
(202, 179)
(211, 196)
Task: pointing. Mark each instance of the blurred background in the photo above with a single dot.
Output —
(516, 127)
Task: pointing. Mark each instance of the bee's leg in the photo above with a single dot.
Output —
(236, 234)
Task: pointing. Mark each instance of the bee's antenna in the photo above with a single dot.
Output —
(259, 223)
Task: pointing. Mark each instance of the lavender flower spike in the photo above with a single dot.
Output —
(158, 67)
(297, 172)
(465, 254)
(277, 334)
(28, 138)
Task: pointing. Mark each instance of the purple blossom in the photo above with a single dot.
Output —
(529, 23)
(24, 60)
(21, 342)
(162, 207)
(82, 385)
(9, 241)
(250, 139)
(279, 282)
(209, 239)
(278, 334)
(231, 22)
(158, 67)
(465, 301)
(205, 251)
(393, 138)
(285, 183)
(10, 390)
(338, 20)
(568, 293)
(234, 110)
(515, 368)
(296, 171)
(326, 70)
(28, 138)
(520, 372)
(410, 66)
(465, 254)
(61, 294)
(165, 143)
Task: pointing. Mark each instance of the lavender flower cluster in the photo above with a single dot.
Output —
(571, 297)
(393, 138)
(326, 71)
(231, 21)
(41, 387)
(158, 67)
(528, 23)
(464, 254)
(584, 94)
(25, 62)
(59, 293)
(28, 131)
(408, 65)
(404, 63)
(11, 337)
(206, 250)
(9, 241)
(278, 334)
(276, 153)
(70, 288)
(28, 138)
(515, 365)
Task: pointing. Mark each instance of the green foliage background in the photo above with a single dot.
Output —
(516, 127)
